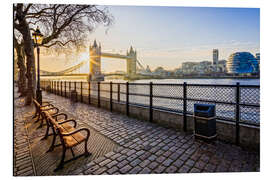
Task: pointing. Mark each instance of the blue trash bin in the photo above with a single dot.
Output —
(205, 121)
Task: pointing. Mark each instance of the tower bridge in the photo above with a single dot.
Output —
(95, 73)
(95, 61)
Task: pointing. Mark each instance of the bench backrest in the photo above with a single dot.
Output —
(53, 122)
(36, 103)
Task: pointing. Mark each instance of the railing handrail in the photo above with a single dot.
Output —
(126, 90)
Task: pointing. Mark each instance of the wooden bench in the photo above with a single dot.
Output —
(44, 105)
(55, 116)
(42, 108)
(69, 138)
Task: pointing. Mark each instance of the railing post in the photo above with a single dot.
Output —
(61, 88)
(65, 88)
(185, 106)
(57, 84)
(151, 102)
(111, 108)
(89, 93)
(118, 92)
(98, 94)
(237, 113)
(127, 99)
(69, 88)
(75, 88)
(81, 91)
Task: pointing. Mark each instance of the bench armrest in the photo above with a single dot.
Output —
(44, 103)
(69, 120)
(76, 131)
(59, 114)
(47, 105)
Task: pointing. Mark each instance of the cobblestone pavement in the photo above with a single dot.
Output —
(149, 148)
(22, 156)
(143, 147)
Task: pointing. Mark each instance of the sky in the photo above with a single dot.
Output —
(169, 36)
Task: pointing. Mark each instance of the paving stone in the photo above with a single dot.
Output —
(135, 162)
(160, 159)
(184, 169)
(103, 163)
(112, 170)
(110, 154)
(200, 164)
(190, 162)
(121, 158)
(140, 152)
(194, 170)
(112, 163)
(145, 170)
(160, 169)
(184, 157)
(160, 152)
(171, 169)
(100, 170)
(122, 163)
(125, 169)
(167, 162)
(145, 155)
(144, 163)
(152, 157)
(209, 168)
(116, 156)
(174, 156)
(153, 165)
(131, 152)
(135, 170)
(132, 157)
(91, 169)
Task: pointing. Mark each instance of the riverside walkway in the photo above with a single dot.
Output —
(121, 145)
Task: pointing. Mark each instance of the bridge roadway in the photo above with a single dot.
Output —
(118, 56)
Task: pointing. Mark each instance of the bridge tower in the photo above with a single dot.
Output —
(95, 65)
(131, 62)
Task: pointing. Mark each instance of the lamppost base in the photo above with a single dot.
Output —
(39, 96)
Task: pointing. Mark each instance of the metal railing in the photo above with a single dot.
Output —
(237, 103)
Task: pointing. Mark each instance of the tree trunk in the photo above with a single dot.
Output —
(23, 28)
(22, 70)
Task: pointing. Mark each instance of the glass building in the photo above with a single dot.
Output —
(241, 63)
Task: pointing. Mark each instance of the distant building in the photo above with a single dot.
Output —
(148, 69)
(215, 57)
(242, 63)
(159, 71)
(258, 56)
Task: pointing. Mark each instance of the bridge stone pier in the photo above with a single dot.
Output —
(95, 61)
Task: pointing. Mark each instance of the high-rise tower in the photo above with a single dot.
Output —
(215, 57)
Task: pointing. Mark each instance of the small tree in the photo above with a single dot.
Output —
(64, 27)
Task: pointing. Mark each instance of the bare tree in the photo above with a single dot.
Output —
(18, 46)
(64, 27)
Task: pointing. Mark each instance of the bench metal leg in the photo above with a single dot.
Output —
(38, 118)
(47, 133)
(61, 164)
(72, 152)
(53, 142)
(86, 153)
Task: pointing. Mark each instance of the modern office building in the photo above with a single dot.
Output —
(215, 57)
(242, 63)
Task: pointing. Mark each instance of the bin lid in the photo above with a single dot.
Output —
(203, 107)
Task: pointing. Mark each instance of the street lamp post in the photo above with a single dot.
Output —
(38, 37)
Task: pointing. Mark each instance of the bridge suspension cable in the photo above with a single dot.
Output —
(65, 71)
